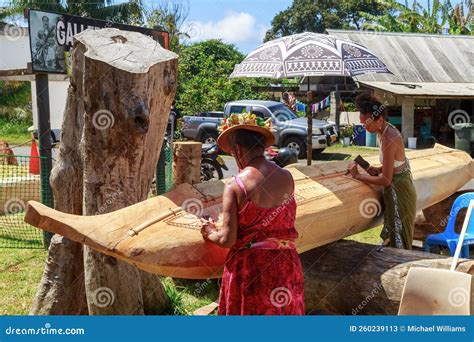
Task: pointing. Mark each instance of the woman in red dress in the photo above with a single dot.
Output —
(262, 273)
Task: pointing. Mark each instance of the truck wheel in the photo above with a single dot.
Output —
(296, 144)
(209, 138)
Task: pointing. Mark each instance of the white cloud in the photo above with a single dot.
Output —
(234, 28)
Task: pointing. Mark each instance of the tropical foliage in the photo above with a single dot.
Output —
(438, 17)
(317, 16)
(203, 84)
(170, 17)
(128, 12)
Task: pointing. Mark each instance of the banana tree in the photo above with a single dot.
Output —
(459, 22)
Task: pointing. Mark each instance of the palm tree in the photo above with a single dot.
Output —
(130, 12)
(170, 17)
(396, 18)
(460, 23)
(416, 18)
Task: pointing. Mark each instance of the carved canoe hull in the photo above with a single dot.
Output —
(162, 234)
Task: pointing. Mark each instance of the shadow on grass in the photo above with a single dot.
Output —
(333, 156)
(12, 242)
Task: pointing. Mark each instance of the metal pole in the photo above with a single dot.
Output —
(309, 114)
(44, 137)
(337, 97)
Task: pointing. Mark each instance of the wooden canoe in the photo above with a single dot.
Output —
(159, 236)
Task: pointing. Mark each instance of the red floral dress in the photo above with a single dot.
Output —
(263, 281)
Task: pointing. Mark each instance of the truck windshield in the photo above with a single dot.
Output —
(282, 113)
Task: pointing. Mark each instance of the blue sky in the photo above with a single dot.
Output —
(240, 22)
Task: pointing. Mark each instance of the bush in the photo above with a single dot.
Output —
(204, 83)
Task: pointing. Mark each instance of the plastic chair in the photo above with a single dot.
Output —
(449, 237)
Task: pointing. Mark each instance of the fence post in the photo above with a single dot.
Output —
(161, 170)
(44, 137)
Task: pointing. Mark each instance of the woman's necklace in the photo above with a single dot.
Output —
(384, 130)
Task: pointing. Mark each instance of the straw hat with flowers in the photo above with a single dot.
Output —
(245, 121)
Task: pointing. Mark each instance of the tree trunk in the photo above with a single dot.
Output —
(352, 278)
(129, 85)
(138, 89)
(61, 290)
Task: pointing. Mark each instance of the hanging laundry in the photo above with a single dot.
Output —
(321, 105)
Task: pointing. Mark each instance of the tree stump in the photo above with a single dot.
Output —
(186, 162)
(124, 83)
(61, 290)
(353, 278)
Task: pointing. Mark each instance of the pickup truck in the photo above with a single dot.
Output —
(202, 127)
(289, 129)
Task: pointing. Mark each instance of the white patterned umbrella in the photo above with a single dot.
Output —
(309, 54)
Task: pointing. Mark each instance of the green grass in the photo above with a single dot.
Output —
(14, 232)
(7, 171)
(20, 273)
(187, 295)
(14, 131)
(371, 236)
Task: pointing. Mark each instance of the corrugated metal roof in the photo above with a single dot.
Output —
(414, 57)
(425, 88)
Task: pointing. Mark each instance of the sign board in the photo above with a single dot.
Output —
(51, 38)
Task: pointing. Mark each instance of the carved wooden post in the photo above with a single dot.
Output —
(186, 162)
